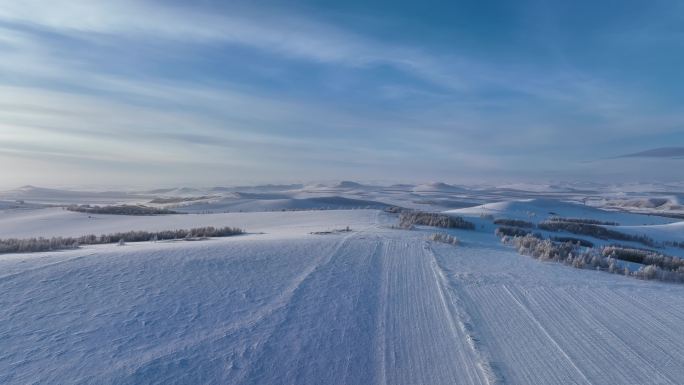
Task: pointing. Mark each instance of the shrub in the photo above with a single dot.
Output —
(655, 272)
(335, 231)
(444, 238)
(577, 241)
(543, 248)
(655, 266)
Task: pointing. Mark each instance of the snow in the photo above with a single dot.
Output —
(373, 306)
(537, 210)
(666, 232)
(437, 187)
(56, 196)
(660, 204)
(659, 229)
(18, 205)
(51, 222)
(644, 198)
(534, 187)
(250, 202)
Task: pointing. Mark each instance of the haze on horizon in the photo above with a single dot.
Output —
(158, 92)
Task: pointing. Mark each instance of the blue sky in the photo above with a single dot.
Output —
(215, 92)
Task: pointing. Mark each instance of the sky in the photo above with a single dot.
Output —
(218, 93)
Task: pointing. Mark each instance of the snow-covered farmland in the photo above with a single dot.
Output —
(284, 306)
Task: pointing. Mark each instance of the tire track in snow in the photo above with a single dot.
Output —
(541, 327)
(633, 336)
(423, 343)
(656, 307)
(461, 323)
(326, 333)
(604, 356)
(280, 302)
(523, 355)
(380, 321)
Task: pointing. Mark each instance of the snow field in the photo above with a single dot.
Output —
(374, 306)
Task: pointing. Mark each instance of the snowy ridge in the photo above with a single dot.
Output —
(540, 209)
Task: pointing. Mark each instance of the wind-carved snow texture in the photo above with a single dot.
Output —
(372, 306)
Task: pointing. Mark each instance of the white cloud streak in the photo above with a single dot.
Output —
(99, 115)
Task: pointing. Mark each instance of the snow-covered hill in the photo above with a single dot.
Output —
(434, 196)
(436, 187)
(540, 209)
(34, 194)
(52, 222)
(247, 202)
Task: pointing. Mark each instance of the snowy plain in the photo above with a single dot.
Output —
(280, 305)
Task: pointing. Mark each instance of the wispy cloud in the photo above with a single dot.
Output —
(662, 152)
(169, 84)
(273, 32)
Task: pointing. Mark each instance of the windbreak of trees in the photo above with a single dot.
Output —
(121, 210)
(674, 244)
(580, 226)
(511, 231)
(27, 245)
(644, 257)
(584, 220)
(513, 223)
(408, 219)
(594, 231)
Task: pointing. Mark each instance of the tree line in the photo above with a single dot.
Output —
(28, 245)
(121, 210)
(408, 219)
(594, 231)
